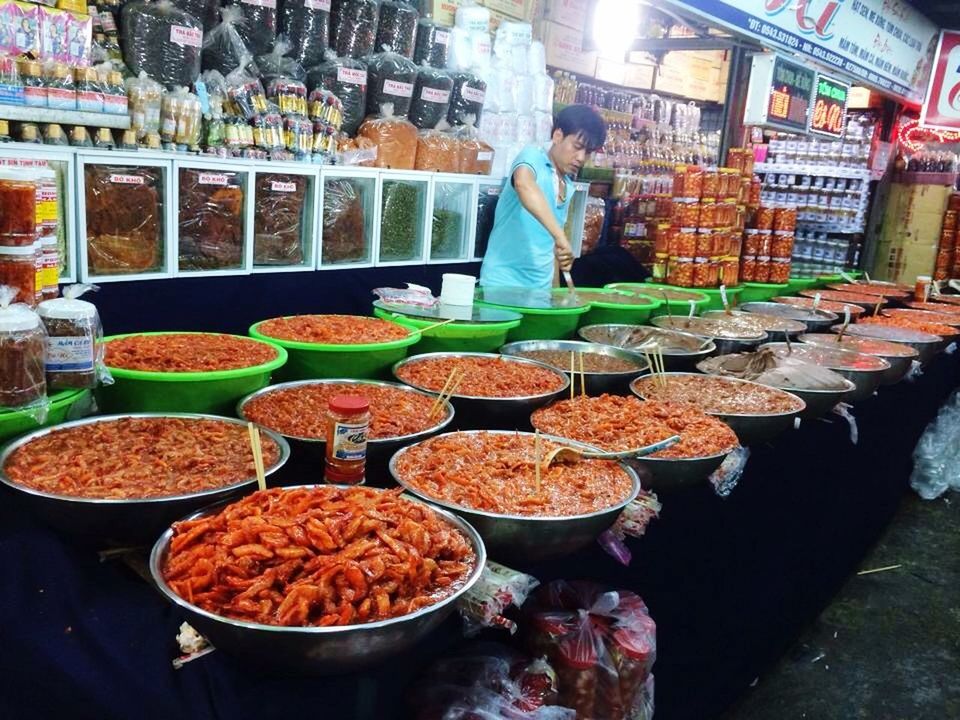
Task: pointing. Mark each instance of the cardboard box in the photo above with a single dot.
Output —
(565, 49)
(572, 13)
(444, 11)
(639, 77)
(611, 71)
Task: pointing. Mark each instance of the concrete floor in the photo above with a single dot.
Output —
(888, 647)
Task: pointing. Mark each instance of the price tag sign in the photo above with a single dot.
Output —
(829, 114)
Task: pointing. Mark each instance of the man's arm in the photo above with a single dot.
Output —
(531, 197)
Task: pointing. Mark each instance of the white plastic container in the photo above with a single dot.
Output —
(457, 289)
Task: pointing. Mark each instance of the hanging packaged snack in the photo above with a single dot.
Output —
(260, 30)
(290, 96)
(125, 218)
(18, 270)
(74, 349)
(344, 233)
(280, 219)
(390, 79)
(466, 99)
(325, 107)
(180, 118)
(474, 156)
(268, 131)
(210, 219)
(298, 133)
(353, 27)
(277, 64)
(347, 80)
(144, 97)
(437, 151)
(246, 97)
(432, 45)
(431, 98)
(397, 27)
(395, 138)
(401, 220)
(162, 41)
(22, 346)
(306, 25)
(224, 48)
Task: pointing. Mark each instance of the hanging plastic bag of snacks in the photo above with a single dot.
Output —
(306, 24)
(204, 10)
(397, 27)
(279, 64)
(268, 131)
(74, 351)
(431, 98)
(325, 107)
(289, 95)
(395, 138)
(390, 79)
(246, 97)
(432, 45)
(23, 383)
(353, 27)
(162, 41)
(298, 132)
(466, 99)
(347, 79)
(280, 214)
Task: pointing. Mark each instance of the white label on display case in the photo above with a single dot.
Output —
(284, 187)
(322, 5)
(435, 95)
(354, 76)
(126, 179)
(400, 89)
(473, 94)
(212, 179)
(182, 35)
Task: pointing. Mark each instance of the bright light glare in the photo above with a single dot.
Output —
(615, 25)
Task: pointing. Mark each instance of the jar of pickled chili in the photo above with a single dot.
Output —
(701, 273)
(730, 271)
(735, 242)
(348, 422)
(781, 244)
(735, 158)
(766, 241)
(679, 177)
(756, 190)
(785, 219)
(704, 247)
(762, 272)
(950, 220)
(658, 270)
(748, 268)
(740, 221)
(693, 182)
(22, 345)
(18, 208)
(721, 242)
(661, 238)
(751, 242)
(690, 213)
(711, 184)
(779, 270)
(709, 214)
(18, 269)
(683, 242)
(681, 271)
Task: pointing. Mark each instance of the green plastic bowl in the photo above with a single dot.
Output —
(213, 393)
(543, 324)
(455, 337)
(795, 285)
(321, 361)
(824, 280)
(62, 404)
(716, 301)
(676, 307)
(602, 313)
(761, 292)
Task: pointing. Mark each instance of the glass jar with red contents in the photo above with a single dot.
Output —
(705, 243)
(18, 269)
(22, 345)
(741, 219)
(681, 271)
(693, 182)
(742, 191)
(721, 242)
(748, 268)
(661, 237)
(730, 271)
(781, 244)
(785, 219)
(756, 189)
(766, 240)
(779, 271)
(735, 243)
(751, 242)
(679, 181)
(688, 214)
(710, 184)
(950, 220)
(735, 158)
(709, 214)
(723, 183)
(18, 208)
(683, 242)
(348, 422)
(954, 202)
(663, 205)
(701, 273)
(734, 182)
(762, 272)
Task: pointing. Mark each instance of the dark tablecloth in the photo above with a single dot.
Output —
(729, 581)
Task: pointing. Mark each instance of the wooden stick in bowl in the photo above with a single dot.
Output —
(255, 446)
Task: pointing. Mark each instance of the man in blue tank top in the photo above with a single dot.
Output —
(527, 243)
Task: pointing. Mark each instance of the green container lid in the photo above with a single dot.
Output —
(313, 361)
(675, 306)
(761, 292)
(64, 405)
(614, 313)
(192, 392)
(455, 337)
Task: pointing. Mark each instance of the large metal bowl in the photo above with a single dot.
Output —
(952, 321)
(750, 428)
(925, 344)
(867, 380)
(486, 412)
(900, 362)
(525, 539)
(868, 306)
(124, 522)
(681, 351)
(881, 289)
(726, 343)
(598, 383)
(813, 319)
(673, 473)
(379, 451)
(776, 327)
(317, 650)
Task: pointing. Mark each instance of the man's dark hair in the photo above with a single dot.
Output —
(584, 121)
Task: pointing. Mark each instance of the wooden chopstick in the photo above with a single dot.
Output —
(438, 402)
(257, 450)
(583, 378)
(573, 376)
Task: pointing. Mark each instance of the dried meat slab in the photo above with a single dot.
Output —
(211, 220)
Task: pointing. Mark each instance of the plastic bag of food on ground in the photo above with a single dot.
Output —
(498, 588)
(353, 27)
(466, 99)
(437, 151)
(306, 24)
(431, 98)
(23, 384)
(210, 220)
(125, 219)
(344, 235)
(390, 79)
(397, 26)
(224, 48)
(395, 138)
(488, 682)
(347, 79)
(162, 41)
(936, 459)
(432, 44)
(602, 645)
(278, 63)
(75, 350)
(279, 215)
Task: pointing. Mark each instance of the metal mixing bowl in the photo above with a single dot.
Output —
(925, 344)
(681, 351)
(525, 539)
(776, 327)
(750, 428)
(813, 319)
(899, 362)
(598, 383)
(317, 650)
(867, 379)
(481, 412)
(379, 451)
(726, 343)
(673, 473)
(111, 521)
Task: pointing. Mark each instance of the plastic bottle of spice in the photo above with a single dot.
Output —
(73, 331)
(89, 92)
(34, 86)
(348, 420)
(50, 266)
(61, 92)
(18, 269)
(114, 94)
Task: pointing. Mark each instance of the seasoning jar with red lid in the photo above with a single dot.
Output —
(348, 423)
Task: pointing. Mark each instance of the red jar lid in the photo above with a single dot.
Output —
(349, 404)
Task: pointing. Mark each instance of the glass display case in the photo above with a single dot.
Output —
(284, 205)
(349, 219)
(453, 218)
(403, 218)
(487, 198)
(576, 216)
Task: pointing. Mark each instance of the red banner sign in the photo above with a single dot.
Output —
(941, 109)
